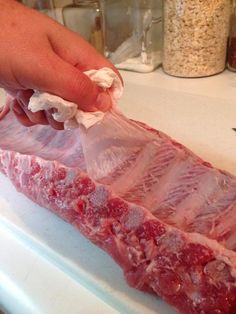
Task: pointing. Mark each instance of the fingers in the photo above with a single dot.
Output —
(23, 98)
(27, 118)
(4, 111)
(72, 48)
(19, 106)
(103, 102)
(61, 78)
(54, 124)
(20, 114)
(79, 53)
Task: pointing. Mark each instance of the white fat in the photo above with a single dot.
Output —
(24, 165)
(6, 158)
(49, 171)
(196, 297)
(70, 176)
(134, 218)
(222, 254)
(68, 112)
(99, 196)
(151, 266)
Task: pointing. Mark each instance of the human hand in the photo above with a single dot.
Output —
(37, 53)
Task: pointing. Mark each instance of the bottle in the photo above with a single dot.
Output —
(195, 37)
(231, 64)
(133, 33)
(85, 17)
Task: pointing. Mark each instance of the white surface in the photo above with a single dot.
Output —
(48, 267)
(29, 283)
(199, 113)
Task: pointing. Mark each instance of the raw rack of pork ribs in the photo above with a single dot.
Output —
(165, 216)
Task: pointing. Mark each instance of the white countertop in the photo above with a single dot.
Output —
(47, 267)
(200, 113)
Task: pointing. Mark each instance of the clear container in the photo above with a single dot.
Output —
(85, 17)
(195, 37)
(45, 6)
(231, 62)
(133, 33)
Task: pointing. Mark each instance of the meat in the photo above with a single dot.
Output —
(164, 215)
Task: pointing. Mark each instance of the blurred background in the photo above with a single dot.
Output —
(128, 32)
(189, 39)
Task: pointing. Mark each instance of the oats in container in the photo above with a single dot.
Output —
(195, 37)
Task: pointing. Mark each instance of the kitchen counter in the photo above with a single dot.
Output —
(199, 113)
(47, 267)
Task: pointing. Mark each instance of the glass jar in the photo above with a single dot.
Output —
(85, 17)
(133, 33)
(45, 6)
(232, 40)
(195, 37)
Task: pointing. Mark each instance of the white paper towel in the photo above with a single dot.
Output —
(68, 112)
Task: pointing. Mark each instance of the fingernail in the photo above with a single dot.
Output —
(104, 101)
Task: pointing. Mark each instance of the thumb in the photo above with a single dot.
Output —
(65, 80)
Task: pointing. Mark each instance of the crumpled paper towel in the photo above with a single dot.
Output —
(67, 111)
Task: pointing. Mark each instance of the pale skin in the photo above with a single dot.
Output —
(37, 53)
